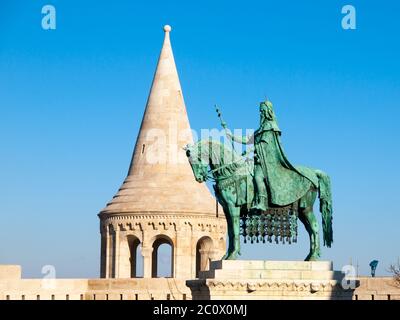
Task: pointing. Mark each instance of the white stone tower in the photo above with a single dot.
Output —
(160, 201)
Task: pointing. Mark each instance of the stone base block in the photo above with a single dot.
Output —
(258, 280)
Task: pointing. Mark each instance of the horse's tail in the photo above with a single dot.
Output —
(325, 203)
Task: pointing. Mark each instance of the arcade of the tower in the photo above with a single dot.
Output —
(194, 242)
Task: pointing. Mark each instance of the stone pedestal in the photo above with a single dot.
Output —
(264, 280)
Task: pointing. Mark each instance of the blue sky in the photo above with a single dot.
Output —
(71, 102)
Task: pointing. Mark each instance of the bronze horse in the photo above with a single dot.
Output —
(233, 175)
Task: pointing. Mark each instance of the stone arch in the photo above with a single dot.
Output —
(128, 256)
(159, 241)
(135, 256)
(204, 250)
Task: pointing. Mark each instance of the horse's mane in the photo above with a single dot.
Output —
(223, 160)
(218, 151)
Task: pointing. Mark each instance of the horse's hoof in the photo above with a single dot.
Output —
(232, 256)
(313, 257)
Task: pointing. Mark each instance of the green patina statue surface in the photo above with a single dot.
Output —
(272, 169)
(263, 197)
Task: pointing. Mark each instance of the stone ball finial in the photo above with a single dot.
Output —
(167, 28)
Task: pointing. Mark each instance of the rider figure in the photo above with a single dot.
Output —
(277, 181)
(260, 139)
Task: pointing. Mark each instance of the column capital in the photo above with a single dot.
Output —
(147, 251)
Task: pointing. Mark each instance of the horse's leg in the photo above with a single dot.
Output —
(306, 215)
(315, 252)
(230, 233)
(235, 222)
(228, 196)
(303, 219)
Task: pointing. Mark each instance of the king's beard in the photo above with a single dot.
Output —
(263, 119)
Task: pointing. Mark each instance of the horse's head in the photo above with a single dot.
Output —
(198, 160)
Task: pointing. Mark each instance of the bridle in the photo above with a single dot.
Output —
(209, 176)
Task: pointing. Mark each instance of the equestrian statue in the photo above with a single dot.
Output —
(264, 195)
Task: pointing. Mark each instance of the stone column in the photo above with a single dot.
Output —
(193, 269)
(116, 253)
(204, 259)
(124, 263)
(183, 254)
(108, 253)
(103, 253)
(147, 253)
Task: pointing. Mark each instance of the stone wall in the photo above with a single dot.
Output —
(93, 289)
(10, 272)
(378, 288)
(12, 287)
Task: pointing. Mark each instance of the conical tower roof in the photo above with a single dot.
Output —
(160, 178)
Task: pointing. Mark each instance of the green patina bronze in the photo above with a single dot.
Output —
(263, 197)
